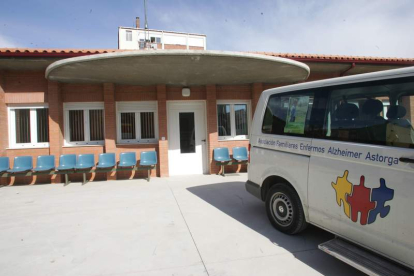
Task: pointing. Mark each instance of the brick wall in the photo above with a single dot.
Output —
(4, 141)
(196, 48)
(179, 47)
(82, 92)
(135, 93)
(234, 92)
(212, 135)
(25, 87)
(257, 89)
(55, 123)
(110, 122)
(174, 93)
(162, 131)
(174, 47)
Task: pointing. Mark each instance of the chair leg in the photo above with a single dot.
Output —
(66, 179)
(84, 178)
(222, 170)
(149, 175)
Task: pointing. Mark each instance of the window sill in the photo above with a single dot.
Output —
(27, 148)
(232, 139)
(129, 144)
(79, 146)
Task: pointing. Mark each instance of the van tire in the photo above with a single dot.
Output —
(284, 209)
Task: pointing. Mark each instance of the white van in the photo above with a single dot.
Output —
(339, 154)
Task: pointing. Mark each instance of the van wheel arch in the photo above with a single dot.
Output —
(273, 180)
(279, 188)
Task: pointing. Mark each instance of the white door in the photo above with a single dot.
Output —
(186, 138)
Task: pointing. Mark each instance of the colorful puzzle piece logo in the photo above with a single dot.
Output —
(358, 199)
(343, 188)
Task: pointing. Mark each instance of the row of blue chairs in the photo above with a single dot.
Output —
(70, 163)
(222, 157)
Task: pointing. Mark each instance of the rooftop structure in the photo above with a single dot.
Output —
(136, 38)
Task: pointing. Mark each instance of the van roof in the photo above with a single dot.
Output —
(387, 74)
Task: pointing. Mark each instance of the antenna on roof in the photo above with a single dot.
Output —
(147, 45)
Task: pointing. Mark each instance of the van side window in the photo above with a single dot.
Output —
(288, 114)
(378, 113)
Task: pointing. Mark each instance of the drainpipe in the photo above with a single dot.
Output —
(347, 70)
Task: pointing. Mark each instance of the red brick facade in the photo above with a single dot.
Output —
(31, 87)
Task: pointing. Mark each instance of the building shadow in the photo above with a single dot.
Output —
(232, 199)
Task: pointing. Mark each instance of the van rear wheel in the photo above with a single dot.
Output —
(284, 209)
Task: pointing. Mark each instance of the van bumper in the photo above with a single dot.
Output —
(254, 189)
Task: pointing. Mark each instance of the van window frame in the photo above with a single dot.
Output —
(364, 84)
(323, 93)
(308, 131)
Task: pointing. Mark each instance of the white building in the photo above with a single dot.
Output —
(134, 39)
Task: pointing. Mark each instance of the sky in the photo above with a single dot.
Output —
(346, 27)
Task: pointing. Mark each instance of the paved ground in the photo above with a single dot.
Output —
(198, 225)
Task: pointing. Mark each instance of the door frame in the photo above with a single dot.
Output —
(204, 151)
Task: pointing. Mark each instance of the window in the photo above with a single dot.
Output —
(84, 123)
(187, 132)
(155, 39)
(28, 126)
(378, 113)
(128, 35)
(141, 43)
(136, 122)
(288, 114)
(233, 120)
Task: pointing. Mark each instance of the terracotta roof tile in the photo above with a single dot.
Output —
(295, 56)
(52, 52)
(337, 57)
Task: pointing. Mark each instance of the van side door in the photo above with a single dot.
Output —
(361, 186)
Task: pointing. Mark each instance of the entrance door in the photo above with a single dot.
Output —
(186, 138)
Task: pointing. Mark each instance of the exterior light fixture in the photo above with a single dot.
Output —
(186, 92)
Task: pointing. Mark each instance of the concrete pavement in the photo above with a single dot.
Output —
(193, 225)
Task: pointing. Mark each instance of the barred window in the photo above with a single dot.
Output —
(232, 120)
(84, 124)
(22, 126)
(136, 122)
(128, 126)
(147, 125)
(29, 126)
(96, 125)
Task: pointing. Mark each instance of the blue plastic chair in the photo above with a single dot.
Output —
(22, 164)
(221, 155)
(148, 158)
(4, 164)
(127, 159)
(106, 160)
(240, 154)
(85, 161)
(45, 163)
(67, 162)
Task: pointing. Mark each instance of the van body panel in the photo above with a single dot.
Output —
(267, 161)
(388, 232)
(359, 190)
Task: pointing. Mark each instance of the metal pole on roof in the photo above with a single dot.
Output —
(146, 26)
